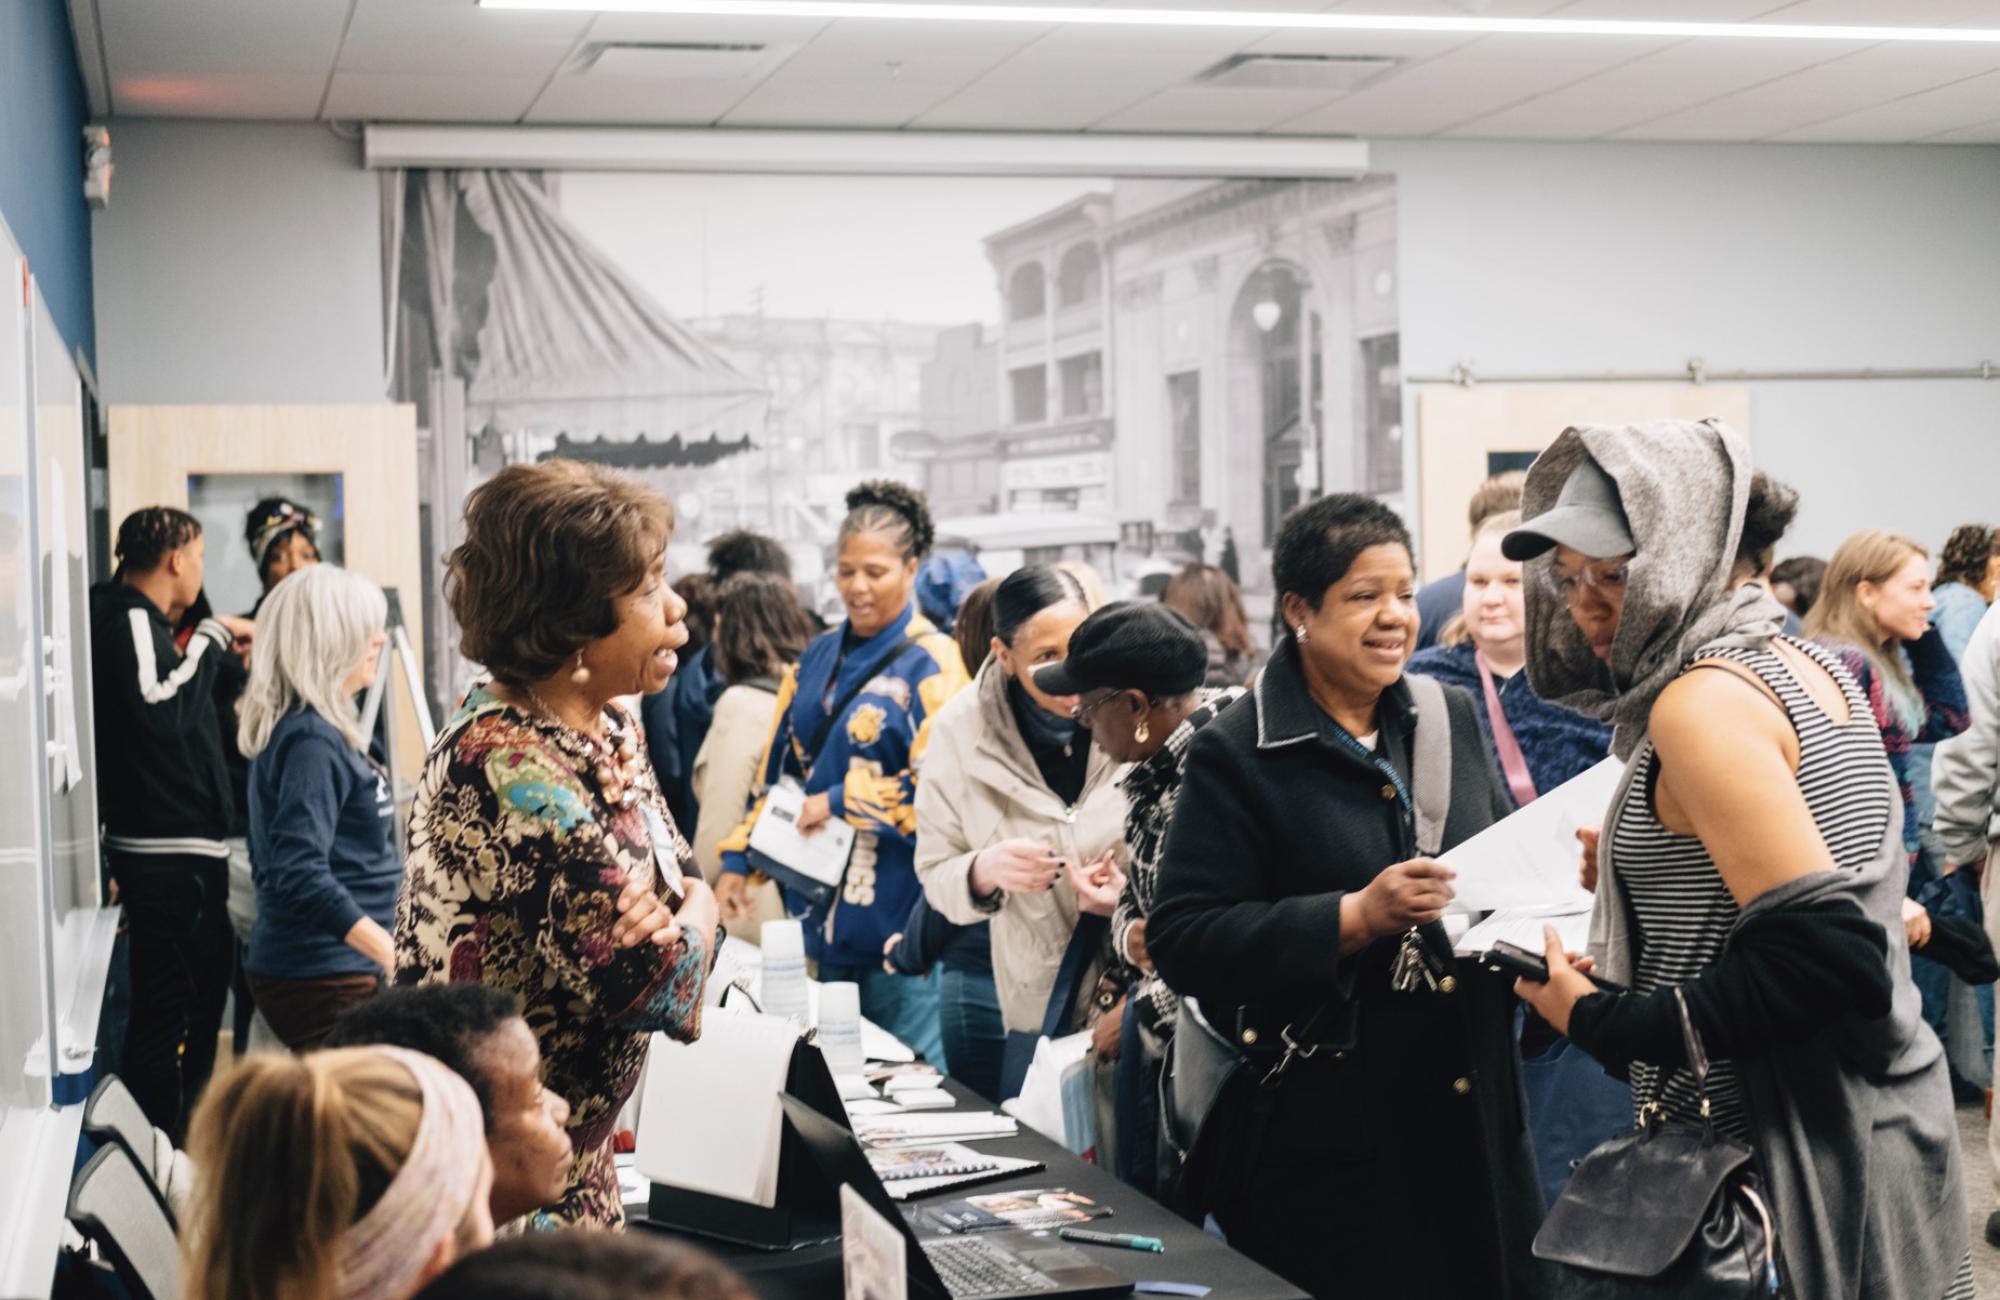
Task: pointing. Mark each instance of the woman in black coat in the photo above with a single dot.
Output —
(1393, 1160)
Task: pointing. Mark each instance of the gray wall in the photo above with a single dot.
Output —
(1586, 257)
(238, 262)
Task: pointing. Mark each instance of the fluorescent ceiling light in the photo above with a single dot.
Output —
(1114, 17)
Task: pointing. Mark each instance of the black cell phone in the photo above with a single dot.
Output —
(1512, 959)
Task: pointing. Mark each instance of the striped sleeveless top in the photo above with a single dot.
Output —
(1682, 912)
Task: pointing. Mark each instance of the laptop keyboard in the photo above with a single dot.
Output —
(971, 1266)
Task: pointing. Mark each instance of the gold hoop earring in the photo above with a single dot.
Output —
(1142, 733)
(580, 675)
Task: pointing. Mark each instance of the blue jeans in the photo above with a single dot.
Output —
(905, 1005)
(969, 1012)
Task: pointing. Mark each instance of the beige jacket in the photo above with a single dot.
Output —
(979, 785)
(727, 769)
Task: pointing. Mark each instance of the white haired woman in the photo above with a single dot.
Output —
(322, 821)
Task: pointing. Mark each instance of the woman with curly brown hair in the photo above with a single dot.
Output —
(542, 859)
(1968, 576)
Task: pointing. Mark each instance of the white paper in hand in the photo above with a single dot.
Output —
(820, 856)
(1531, 859)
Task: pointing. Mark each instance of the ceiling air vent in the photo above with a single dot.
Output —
(679, 61)
(1332, 74)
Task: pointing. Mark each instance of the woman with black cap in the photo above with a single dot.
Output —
(1136, 669)
(1372, 1144)
(1019, 820)
(1751, 864)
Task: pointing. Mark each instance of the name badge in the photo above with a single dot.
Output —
(664, 858)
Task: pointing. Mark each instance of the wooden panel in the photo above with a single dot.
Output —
(1457, 428)
(153, 450)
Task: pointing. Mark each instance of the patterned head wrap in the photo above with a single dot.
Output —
(280, 518)
(383, 1255)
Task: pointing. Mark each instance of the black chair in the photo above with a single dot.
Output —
(115, 1205)
(113, 1114)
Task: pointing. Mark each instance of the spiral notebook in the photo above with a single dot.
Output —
(915, 1171)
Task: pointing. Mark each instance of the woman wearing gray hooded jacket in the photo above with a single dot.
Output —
(1751, 862)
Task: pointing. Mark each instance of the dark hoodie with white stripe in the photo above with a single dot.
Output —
(163, 786)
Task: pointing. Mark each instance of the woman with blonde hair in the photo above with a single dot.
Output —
(1874, 612)
(322, 821)
(352, 1174)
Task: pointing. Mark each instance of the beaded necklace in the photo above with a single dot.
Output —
(615, 759)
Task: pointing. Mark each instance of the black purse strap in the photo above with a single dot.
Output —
(1697, 1066)
(847, 698)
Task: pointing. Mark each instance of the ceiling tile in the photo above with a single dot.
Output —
(705, 28)
(1205, 109)
(1971, 102)
(1686, 11)
(263, 96)
(429, 97)
(1873, 76)
(618, 101)
(1984, 133)
(144, 36)
(1889, 13)
(861, 73)
(428, 36)
(1479, 79)
(1676, 78)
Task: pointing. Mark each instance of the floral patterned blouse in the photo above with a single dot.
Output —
(515, 865)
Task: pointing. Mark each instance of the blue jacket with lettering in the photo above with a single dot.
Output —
(866, 765)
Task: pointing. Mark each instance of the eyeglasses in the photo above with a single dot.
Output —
(1600, 576)
(1081, 713)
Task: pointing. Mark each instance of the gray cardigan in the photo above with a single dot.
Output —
(1853, 1129)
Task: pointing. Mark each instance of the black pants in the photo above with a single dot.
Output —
(182, 950)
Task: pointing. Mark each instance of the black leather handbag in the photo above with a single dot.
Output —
(1669, 1209)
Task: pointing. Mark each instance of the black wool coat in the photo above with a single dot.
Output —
(1396, 1160)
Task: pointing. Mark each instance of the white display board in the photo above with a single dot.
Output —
(27, 984)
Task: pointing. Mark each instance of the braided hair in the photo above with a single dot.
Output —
(894, 509)
(147, 536)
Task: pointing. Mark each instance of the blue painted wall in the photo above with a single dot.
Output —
(42, 112)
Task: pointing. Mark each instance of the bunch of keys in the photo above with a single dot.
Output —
(1412, 968)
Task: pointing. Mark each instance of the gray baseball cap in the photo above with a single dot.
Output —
(1586, 518)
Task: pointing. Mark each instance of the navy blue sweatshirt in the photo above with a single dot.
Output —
(322, 851)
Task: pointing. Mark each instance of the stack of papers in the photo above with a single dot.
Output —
(892, 1131)
(1531, 859)
(1522, 927)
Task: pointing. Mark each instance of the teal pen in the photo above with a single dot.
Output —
(1125, 1239)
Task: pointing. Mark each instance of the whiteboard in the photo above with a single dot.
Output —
(65, 558)
(27, 1010)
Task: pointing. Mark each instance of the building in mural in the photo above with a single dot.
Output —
(1184, 358)
(840, 394)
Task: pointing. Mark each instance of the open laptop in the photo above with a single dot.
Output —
(1002, 1265)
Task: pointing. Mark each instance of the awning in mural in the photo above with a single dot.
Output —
(571, 346)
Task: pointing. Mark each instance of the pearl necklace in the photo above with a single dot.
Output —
(619, 783)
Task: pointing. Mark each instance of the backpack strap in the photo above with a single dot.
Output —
(1430, 762)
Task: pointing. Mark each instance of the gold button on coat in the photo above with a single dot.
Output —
(1461, 1086)
(1388, 792)
(1250, 1037)
(1448, 984)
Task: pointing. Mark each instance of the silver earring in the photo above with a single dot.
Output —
(1301, 633)
(580, 675)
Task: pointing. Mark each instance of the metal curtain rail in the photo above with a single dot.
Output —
(1464, 375)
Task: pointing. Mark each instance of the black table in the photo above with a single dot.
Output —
(813, 1272)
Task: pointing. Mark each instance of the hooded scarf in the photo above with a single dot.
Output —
(1684, 487)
